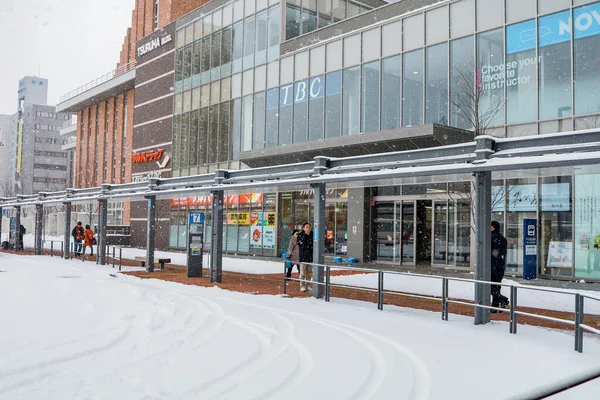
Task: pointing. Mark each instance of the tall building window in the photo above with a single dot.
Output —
(126, 97)
(156, 7)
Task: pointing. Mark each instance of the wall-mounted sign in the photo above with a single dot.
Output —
(19, 145)
(146, 177)
(149, 156)
(153, 44)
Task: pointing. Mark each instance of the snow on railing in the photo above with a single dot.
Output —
(120, 70)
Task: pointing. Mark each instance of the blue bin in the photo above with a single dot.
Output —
(352, 260)
(337, 260)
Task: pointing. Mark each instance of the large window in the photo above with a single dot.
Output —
(236, 120)
(333, 104)
(292, 19)
(351, 101)
(226, 51)
(258, 136)
(370, 95)
(587, 60)
(248, 43)
(316, 89)
(554, 67)
(215, 56)
(203, 136)
(286, 111)
(520, 69)
(224, 132)
(238, 47)
(412, 88)
(436, 96)
(274, 27)
(246, 130)
(390, 93)
(462, 82)
(272, 109)
(213, 131)
(261, 38)
(490, 78)
(300, 111)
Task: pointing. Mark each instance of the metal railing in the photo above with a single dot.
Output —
(44, 241)
(579, 327)
(113, 257)
(120, 70)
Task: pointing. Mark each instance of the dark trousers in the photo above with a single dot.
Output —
(497, 297)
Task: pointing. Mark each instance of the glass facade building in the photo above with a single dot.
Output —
(252, 75)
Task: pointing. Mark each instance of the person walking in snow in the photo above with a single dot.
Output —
(293, 253)
(88, 239)
(77, 234)
(22, 232)
(305, 245)
(499, 248)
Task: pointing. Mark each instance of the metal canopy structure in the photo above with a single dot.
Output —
(476, 161)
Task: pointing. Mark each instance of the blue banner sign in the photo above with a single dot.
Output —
(554, 29)
(529, 248)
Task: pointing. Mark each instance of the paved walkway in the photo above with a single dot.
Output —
(272, 284)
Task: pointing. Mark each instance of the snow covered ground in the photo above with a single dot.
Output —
(71, 330)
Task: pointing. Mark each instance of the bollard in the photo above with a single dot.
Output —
(62, 249)
(113, 256)
(327, 282)
(380, 291)
(284, 278)
(120, 253)
(578, 321)
(52, 248)
(444, 299)
(513, 308)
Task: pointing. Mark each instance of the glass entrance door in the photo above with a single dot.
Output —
(452, 233)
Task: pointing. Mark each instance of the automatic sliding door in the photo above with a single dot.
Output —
(440, 232)
(408, 231)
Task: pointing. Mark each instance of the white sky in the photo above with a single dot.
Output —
(70, 42)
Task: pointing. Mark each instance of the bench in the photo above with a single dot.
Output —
(161, 261)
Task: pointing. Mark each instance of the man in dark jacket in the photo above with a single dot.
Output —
(22, 232)
(305, 245)
(499, 246)
(77, 234)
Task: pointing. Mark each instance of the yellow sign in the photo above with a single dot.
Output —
(19, 145)
(235, 218)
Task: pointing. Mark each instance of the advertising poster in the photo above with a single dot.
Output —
(256, 231)
(586, 218)
(560, 254)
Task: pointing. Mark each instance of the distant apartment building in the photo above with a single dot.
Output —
(7, 148)
(41, 163)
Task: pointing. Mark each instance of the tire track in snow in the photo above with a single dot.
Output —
(421, 377)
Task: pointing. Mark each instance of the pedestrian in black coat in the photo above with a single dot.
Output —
(305, 245)
(499, 248)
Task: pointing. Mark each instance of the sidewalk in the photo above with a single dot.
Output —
(272, 284)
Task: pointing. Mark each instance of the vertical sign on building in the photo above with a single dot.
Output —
(19, 145)
(529, 248)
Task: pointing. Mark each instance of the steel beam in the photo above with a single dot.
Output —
(67, 232)
(150, 233)
(216, 243)
(17, 242)
(39, 226)
(321, 166)
(102, 222)
(483, 251)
